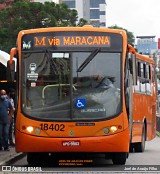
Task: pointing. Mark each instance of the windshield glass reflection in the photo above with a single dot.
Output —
(52, 83)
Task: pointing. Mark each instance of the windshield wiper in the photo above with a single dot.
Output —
(52, 63)
(88, 59)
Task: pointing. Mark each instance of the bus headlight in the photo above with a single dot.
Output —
(113, 129)
(29, 129)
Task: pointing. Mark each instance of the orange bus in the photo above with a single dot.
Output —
(82, 89)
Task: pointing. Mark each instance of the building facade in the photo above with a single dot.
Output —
(93, 11)
(146, 45)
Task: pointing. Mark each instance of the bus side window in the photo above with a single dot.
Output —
(153, 74)
(148, 79)
(142, 78)
(137, 87)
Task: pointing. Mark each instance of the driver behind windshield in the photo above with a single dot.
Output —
(96, 81)
(101, 81)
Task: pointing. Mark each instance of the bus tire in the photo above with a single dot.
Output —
(35, 158)
(119, 158)
(131, 147)
(140, 146)
(32, 158)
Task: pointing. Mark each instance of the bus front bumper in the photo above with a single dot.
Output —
(113, 143)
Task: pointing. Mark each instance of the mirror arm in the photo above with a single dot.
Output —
(13, 52)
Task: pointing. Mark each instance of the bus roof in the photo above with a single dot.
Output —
(145, 57)
(84, 28)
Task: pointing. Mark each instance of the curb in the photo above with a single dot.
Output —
(13, 159)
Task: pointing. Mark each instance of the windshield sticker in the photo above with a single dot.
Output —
(94, 110)
(32, 75)
(26, 45)
(33, 84)
(80, 103)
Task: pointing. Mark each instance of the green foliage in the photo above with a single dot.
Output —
(131, 38)
(23, 14)
(2, 1)
(82, 22)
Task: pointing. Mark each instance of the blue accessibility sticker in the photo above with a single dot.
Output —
(80, 103)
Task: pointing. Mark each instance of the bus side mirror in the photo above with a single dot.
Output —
(10, 71)
(11, 66)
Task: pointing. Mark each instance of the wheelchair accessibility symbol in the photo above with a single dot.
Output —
(80, 103)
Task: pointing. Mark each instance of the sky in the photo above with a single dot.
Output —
(141, 17)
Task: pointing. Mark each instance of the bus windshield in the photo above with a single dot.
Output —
(71, 85)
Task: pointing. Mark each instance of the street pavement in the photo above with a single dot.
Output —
(8, 156)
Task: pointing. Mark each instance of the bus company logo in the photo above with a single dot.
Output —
(70, 143)
(26, 45)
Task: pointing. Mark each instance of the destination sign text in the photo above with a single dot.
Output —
(63, 41)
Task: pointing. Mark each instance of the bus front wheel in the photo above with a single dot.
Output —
(35, 158)
(140, 146)
(119, 158)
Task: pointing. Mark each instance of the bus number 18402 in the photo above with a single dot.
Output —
(53, 127)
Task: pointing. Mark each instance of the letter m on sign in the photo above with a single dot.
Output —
(159, 43)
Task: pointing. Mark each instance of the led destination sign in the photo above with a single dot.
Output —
(69, 40)
(47, 41)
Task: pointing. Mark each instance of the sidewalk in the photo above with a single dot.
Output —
(7, 156)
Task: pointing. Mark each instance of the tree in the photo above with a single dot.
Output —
(131, 38)
(82, 22)
(22, 14)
